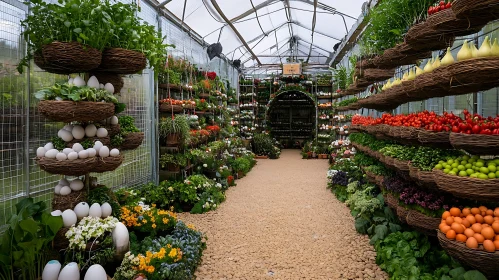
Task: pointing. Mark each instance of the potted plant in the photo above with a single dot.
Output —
(174, 130)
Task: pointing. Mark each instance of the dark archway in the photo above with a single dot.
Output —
(292, 117)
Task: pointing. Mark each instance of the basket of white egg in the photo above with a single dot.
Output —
(77, 161)
(72, 134)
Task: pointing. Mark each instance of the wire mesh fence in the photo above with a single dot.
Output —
(23, 129)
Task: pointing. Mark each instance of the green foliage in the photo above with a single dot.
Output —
(102, 195)
(178, 125)
(127, 125)
(265, 145)
(347, 102)
(341, 77)
(426, 158)
(58, 143)
(389, 21)
(75, 93)
(26, 241)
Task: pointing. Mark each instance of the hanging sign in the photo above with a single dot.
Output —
(291, 69)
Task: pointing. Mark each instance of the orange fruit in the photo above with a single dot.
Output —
(454, 211)
(451, 234)
(475, 211)
(488, 233)
(477, 228)
(449, 221)
(489, 246)
(472, 243)
(458, 220)
(497, 237)
(445, 229)
(445, 215)
(479, 238)
(496, 244)
(466, 223)
(489, 212)
(471, 219)
(469, 232)
(496, 212)
(457, 228)
(466, 211)
(488, 219)
(495, 227)
(479, 218)
(483, 208)
(461, 238)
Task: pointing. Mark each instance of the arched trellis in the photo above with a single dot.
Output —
(302, 100)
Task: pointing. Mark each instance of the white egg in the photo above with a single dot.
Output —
(69, 218)
(61, 156)
(121, 239)
(106, 210)
(67, 151)
(114, 153)
(104, 151)
(51, 270)
(82, 209)
(79, 82)
(102, 132)
(78, 132)
(93, 82)
(90, 130)
(95, 272)
(83, 154)
(98, 143)
(70, 271)
(70, 81)
(65, 190)
(77, 147)
(64, 182)
(76, 185)
(109, 88)
(114, 120)
(40, 152)
(101, 86)
(49, 146)
(56, 213)
(57, 189)
(51, 153)
(59, 132)
(95, 210)
(68, 127)
(91, 152)
(73, 156)
(66, 135)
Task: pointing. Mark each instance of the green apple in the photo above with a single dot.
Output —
(466, 157)
(474, 175)
(454, 173)
(483, 176)
(496, 161)
(484, 170)
(455, 164)
(470, 171)
(497, 174)
(461, 167)
(464, 174)
(450, 161)
(480, 160)
(439, 166)
(468, 165)
(492, 175)
(455, 170)
(479, 164)
(492, 168)
(446, 171)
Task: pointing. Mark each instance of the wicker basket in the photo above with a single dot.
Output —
(473, 75)
(370, 176)
(401, 165)
(476, 144)
(112, 129)
(402, 214)
(108, 164)
(114, 79)
(132, 141)
(204, 95)
(401, 54)
(423, 37)
(484, 9)
(167, 108)
(466, 187)
(413, 172)
(106, 141)
(67, 58)
(446, 22)
(423, 223)
(389, 162)
(476, 258)
(64, 202)
(377, 75)
(122, 61)
(391, 201)
(69, 111)
(435, 139)
(426, 179)
(77, 167)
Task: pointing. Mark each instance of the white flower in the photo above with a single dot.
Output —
(205, 165)
(170, 189)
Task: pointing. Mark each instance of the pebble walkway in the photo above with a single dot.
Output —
(280, 222)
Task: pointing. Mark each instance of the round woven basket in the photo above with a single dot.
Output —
(132, 141)
(423, 37)
(167, 108)
(64, 202)
(401, 165)
(77, 167)
(473, 75)
(67, 58)
(478, 259)
(466, 187)
(114, 79)
(370, 176)
(485, 9)
(426, 179)
(376, 75)
(402, 214)
(413, 172)
(390, 162)
(401, 54)
(476, 144)
(379, 181)
(423, 223)
(204, 95)
(108, 164)
(112, 129)
(106, 141)
(189, 107)
(446, 21)
(69, 111)
(122, 61)
(391, 201)
(435, 139)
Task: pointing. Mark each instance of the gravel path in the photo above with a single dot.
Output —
(280, 222)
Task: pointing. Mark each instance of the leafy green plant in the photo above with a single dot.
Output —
(178, 125)
(347, 102)
(58, 143)
(127, 125)
(87, 143)
(341, 76)
(25, 243)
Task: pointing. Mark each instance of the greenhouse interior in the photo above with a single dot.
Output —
(249, 139)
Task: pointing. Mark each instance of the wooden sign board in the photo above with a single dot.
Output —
(291, 69)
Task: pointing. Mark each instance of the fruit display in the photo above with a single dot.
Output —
(473, 167)
(477, 227)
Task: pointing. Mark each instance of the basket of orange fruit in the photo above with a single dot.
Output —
(471, 235)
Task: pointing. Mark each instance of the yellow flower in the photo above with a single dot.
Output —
(153, 225)
(153, 205)
(150, 269)
(191, 226)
